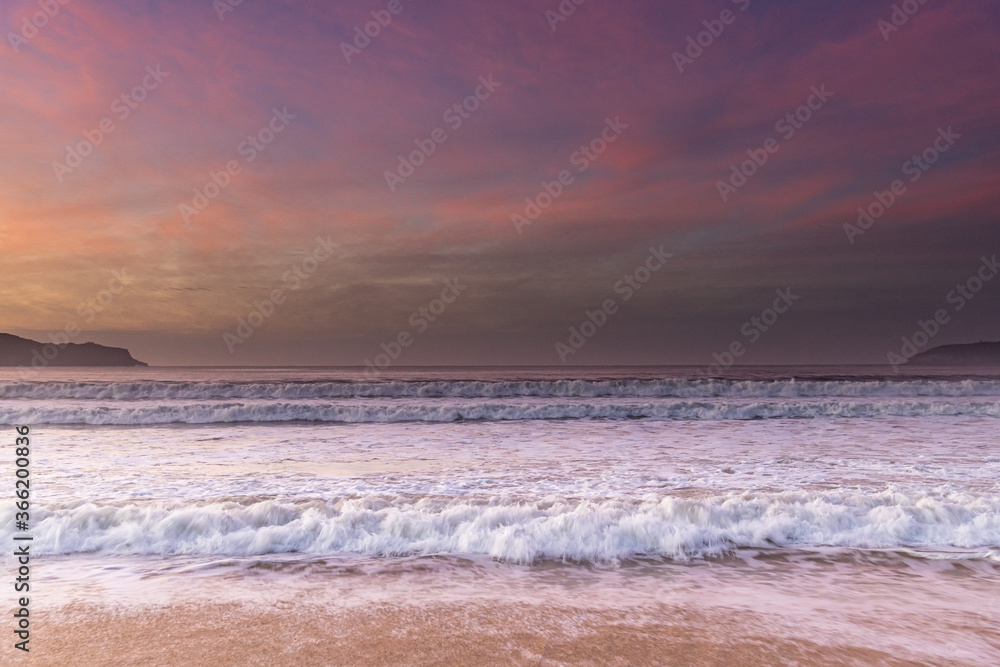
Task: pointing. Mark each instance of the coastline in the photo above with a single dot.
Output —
(866, 535)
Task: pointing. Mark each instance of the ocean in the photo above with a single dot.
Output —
(528, 516)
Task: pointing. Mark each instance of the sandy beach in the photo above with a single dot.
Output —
(465, 634)
(507, 520)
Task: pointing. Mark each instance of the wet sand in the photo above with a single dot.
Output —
(458, 634)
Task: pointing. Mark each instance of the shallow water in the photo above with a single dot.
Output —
(874, 529)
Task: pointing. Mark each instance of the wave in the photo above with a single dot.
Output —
(359, 411)
(663, 388)
(521, 532)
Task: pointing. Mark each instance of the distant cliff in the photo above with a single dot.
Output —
(17, 351)
(968, 354)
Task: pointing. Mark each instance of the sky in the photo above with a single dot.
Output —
(513, 182)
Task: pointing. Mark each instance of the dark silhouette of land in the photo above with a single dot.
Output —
(17, 351)
(984, 353)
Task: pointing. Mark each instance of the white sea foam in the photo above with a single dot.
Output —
(624, 388)
(450, 410)
(521, 531)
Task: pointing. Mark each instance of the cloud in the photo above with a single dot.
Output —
(325, 173)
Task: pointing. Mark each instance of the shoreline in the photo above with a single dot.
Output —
(434, 634)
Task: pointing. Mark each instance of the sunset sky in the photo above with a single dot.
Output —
(278, 71)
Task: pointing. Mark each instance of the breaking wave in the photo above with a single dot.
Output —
(664, 388)
(452, 410)
(521, 531)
